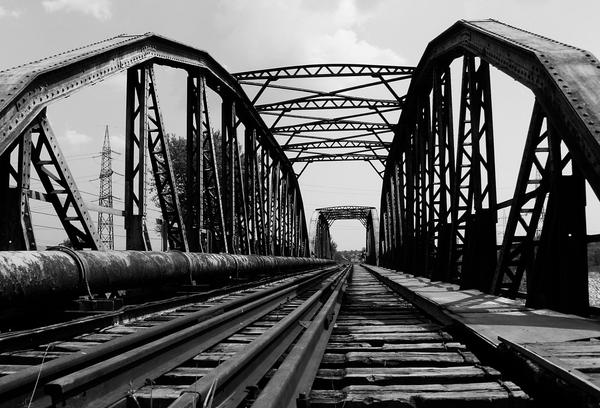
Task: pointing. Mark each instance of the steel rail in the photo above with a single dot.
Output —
(246, 369)
(16, 388)
(295, 375)
(58, 331)
(112, 379)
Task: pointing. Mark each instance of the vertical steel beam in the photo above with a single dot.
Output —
(393, 215)
(16, 229)
(409, 246)
(421, 188)
(164, 178)
(268, 197)
(228, 141)
(241, 177)
(559, 279)
(296, 229)
(261, 180)
(250, 170)
(441, 170)
(213, 215)
(473, 260)
(135, 145)
(275, 202)
(399, 262)
(195, 157)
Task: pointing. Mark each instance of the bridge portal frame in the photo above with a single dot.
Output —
(322, 219)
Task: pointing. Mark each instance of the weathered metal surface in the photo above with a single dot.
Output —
(26, 90)
(45, 275)
(438, 218)
(245, 369)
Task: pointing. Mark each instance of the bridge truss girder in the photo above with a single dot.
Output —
(250, 206)
(439, 206)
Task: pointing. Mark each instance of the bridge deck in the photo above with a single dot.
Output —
(567, 345)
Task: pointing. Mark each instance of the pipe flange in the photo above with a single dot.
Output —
(237, 267)
(190, 264)
(81, 265)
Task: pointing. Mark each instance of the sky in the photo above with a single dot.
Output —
(247, 35)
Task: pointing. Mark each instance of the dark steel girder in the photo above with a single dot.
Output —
(339, 157)
(329, 103)
(329, 125)
(324, 70)
(347, 212)
(333, 144)
(565, 81)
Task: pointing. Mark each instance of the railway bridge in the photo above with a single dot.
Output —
(245, 306)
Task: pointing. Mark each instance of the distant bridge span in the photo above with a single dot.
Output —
(320, 236)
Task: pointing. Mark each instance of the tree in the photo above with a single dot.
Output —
(178, 152)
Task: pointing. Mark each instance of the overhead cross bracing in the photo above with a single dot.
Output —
(330, 112)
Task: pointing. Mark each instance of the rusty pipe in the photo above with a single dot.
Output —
(44, 275)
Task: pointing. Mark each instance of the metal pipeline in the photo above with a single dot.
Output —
(35, 276)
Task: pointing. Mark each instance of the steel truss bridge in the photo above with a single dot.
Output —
(243, 220)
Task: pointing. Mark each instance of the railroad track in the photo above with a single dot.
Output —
(28, 360)
(333, 338)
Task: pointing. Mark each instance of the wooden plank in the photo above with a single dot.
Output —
(389, 328)
(405, 375)
(361, 322)
(488, 394)
(157, 396)
(391, 337)
(402, 358)
(494, 316)
(348, 347)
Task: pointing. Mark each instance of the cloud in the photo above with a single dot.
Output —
(345, 46)
(100, 9)
(347, 15)
(331, 31)
(4, 12)
(74, 138)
